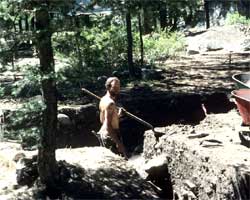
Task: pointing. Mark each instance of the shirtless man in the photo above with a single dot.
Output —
(109, 116)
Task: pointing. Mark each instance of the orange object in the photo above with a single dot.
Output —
(242, 100)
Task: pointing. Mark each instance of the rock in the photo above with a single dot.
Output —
(246, 44)
(64, 120)
(190, 185)
(192, 52)
(151, 74)
(197, 135)
(208, 143)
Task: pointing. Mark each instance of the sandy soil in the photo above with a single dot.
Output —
(209, 156)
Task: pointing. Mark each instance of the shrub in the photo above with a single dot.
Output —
(162, 45)
(25, 123)
(236, 18)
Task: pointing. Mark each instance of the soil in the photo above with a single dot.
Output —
(208, 156)
(205, 161)
(204, 73)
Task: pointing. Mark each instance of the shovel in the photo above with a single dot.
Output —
(156, 133)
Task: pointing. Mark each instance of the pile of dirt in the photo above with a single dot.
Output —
(206, 161)
(227, 38)
(85, 173)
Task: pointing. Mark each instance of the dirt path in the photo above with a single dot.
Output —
(204, 73)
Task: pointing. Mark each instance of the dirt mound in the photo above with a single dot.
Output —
(88, 173)
(206, 161)
(228, 38)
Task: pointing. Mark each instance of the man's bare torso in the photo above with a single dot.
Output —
(108, 105)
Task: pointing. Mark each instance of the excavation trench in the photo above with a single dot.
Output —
(160, 110)
(173, 165)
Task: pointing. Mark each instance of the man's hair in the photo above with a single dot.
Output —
(109, 81)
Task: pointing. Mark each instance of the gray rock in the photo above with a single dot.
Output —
(151, 74)
(246, 44)
(64, 120)
(190, 185)
(192, 52)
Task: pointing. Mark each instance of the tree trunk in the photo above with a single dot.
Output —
(130, 45)
(20, 24)
(141, 39)
(47, 166)
(163, 16)
(26, 23)
(146, 21)
(189, 18)
(32, 24)
(77, 39)
(206, 7)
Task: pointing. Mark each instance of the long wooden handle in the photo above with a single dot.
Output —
(90, 93)
(137, 118)
(123, 109)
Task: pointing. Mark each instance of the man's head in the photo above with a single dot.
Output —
(113, 86)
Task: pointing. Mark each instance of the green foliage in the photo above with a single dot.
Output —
(104, 47)
(91, 52)
(6, 51)
(25, 123)
(6, 14)
(30, 85)
(236, 18)
(162, 45)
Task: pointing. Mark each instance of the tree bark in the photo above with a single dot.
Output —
(130, 44)
(206, 7)
(32, 24)
(20, 25)
(77, 39)
(47, 166)
(141, 39)
(26, 23)
(146, 21)
(163, 16)
(189, 18)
